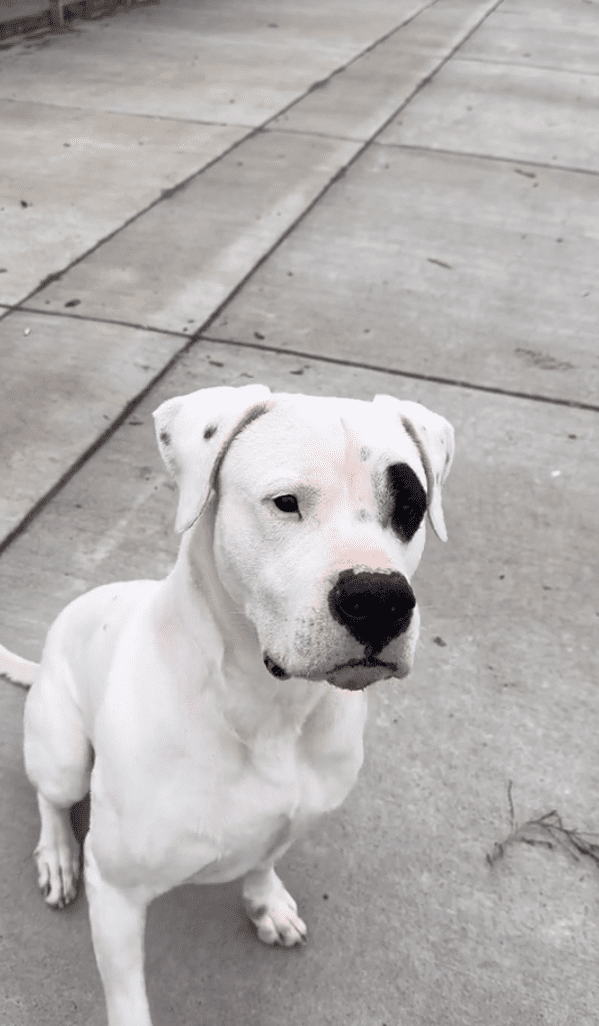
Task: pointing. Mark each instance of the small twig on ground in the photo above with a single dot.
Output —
(511, 805)
(547, 831)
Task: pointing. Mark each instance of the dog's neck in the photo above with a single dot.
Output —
(255, 706)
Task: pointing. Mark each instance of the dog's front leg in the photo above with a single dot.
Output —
(118, 919)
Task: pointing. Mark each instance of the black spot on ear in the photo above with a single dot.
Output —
(165, 438)
(210, 431)
(408, 499)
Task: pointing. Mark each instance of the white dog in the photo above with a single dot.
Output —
(214, 715)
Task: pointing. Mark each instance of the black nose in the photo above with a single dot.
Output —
(374, 607)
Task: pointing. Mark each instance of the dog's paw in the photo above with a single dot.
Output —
(278, 924)
(58, 872)
(273, 912)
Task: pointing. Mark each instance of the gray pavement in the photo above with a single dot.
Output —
(334, 198)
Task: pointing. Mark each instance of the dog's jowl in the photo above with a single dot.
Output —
(214, 715)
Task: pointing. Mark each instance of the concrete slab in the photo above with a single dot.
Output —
(172, 268)
(100, 120)
(215, 61)
(408, 922)
(447, 266)
(358, 100)
(345, 108)
(63, 387)
(334, 26)
(72, 177)
(540, 33)
(542, 115)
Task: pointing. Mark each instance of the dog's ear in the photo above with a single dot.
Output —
(194, 433)
(434, 439)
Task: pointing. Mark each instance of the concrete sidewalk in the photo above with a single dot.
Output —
(345, 199)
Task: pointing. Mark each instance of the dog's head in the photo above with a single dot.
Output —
(320, 519)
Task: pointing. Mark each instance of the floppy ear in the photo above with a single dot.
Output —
(434, 439)
(194, 433)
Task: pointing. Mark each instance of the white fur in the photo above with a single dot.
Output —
(206, 767)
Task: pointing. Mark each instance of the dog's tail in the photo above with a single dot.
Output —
(16, 669)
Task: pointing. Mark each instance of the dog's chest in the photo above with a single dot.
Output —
(255, 812)
(208, 803)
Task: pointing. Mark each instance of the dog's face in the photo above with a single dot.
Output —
(320, 525)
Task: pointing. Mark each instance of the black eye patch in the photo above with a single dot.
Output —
(408, 500)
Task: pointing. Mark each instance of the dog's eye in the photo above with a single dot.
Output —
(286, 503)
(408, 498)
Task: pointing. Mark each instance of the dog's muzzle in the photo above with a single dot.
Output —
(374, 607)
